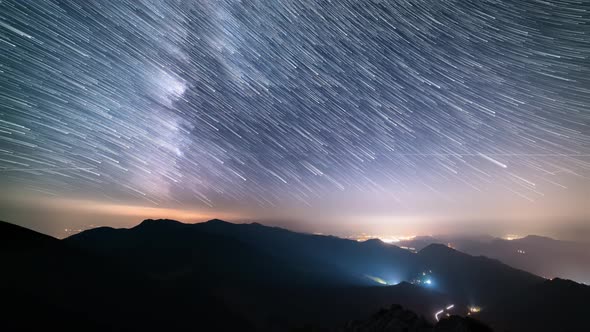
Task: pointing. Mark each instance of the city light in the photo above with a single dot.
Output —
(383, 237)
(511, 237)
(376, 279)
(424, 278)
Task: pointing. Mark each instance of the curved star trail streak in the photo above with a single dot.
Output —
(267, 102)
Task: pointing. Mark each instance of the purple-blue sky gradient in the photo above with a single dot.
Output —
(404, 117)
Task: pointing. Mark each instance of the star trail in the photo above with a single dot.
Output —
(272, 104)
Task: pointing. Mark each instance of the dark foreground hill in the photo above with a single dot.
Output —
(166, 275)
(554, 305)
(396, 319)
(48, 285)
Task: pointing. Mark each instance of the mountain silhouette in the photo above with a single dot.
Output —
(540, 255)
(47, 284)
(168, 275)
(472, 279)
(166, 249)
(17, 238)
(297, 258)
(280, 278)
(245, 256)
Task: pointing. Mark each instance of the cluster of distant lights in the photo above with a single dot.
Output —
(71, 231)
(474, 310)
(384, 238)
(510, 237)
(425, 279)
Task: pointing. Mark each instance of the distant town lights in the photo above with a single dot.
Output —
(474, 309)
(511, 237)
(385, 238)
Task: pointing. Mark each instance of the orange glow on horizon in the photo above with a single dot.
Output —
(139, 211)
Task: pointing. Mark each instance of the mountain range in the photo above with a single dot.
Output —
(540, 255)
(168, 275)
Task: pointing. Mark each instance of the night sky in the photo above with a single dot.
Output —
(400, 117)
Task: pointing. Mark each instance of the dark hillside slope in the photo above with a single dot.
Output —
(554, 305)
(49, 285)
(473, 279)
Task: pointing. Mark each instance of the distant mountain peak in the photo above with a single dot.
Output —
(437, 247)
(217, 222)
(537, 238)
(158, 222)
